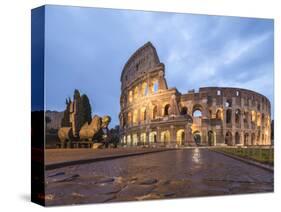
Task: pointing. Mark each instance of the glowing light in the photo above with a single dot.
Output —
(196, 157)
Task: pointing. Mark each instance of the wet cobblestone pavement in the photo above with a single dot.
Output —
(169, 174)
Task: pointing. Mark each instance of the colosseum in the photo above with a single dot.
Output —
(154, 114)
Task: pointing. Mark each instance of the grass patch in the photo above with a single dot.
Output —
(263, 155)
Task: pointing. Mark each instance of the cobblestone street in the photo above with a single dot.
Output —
(169, 174)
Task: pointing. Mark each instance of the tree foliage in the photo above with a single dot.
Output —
(86, 110)
(65, 122)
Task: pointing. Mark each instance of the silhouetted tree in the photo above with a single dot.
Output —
(65, 122)
(86, 109)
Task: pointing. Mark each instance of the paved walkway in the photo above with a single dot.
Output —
(170, 174)
(56, 158)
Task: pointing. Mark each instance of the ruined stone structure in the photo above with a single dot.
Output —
(154, 114)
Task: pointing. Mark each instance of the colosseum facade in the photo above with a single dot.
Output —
(154, 114)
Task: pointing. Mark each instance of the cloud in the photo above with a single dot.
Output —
(87, 49)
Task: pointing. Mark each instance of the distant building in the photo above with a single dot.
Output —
(152, 113)
(55, 119)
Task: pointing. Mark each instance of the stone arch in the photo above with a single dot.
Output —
(154, 111)
(228, 103)
(143, 114)
(211, 138)
(228, 138)
(237, 138)
(136, 93)
(253, 116)
(228, 116)
(143, 138)
(167, 108)
(219, 114)
(246, 116)
(180, 137)
(197, 110)
(253, 139)
(258, 137)
(144, 89)
(246, 139)
(153, 137)
(135, 140)
(135, 117)
(237, 116)
(129, 140)
(197, 137)
(155, 86)
(165, 136)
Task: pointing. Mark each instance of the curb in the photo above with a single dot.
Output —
(248, 161)
(90, 160)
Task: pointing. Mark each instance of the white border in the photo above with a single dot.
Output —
(15, 102)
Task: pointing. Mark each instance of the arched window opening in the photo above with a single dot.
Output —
(228, 103)
(180, 137)
(228, 116)
(211, 138)
(246, 139)
(154, 112)
(228, 138)
(197, 113)
(237, 116)
(167, 110)
(219, 114)
(144, 89)
(152, 137)
(165, 136)
(143, 138)
(253, 116)
(129, 141)
(237, 93)
(143, 111)
(258, 137)
(155, 87)
(135, 117)
(197, 137)
(253, 139)
(237, 138)
(218, 92)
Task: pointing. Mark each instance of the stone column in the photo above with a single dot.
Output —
(172, 134)
(147, 135)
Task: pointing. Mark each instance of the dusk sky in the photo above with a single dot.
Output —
(86, 48)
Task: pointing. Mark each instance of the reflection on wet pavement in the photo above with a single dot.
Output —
(170, 174)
